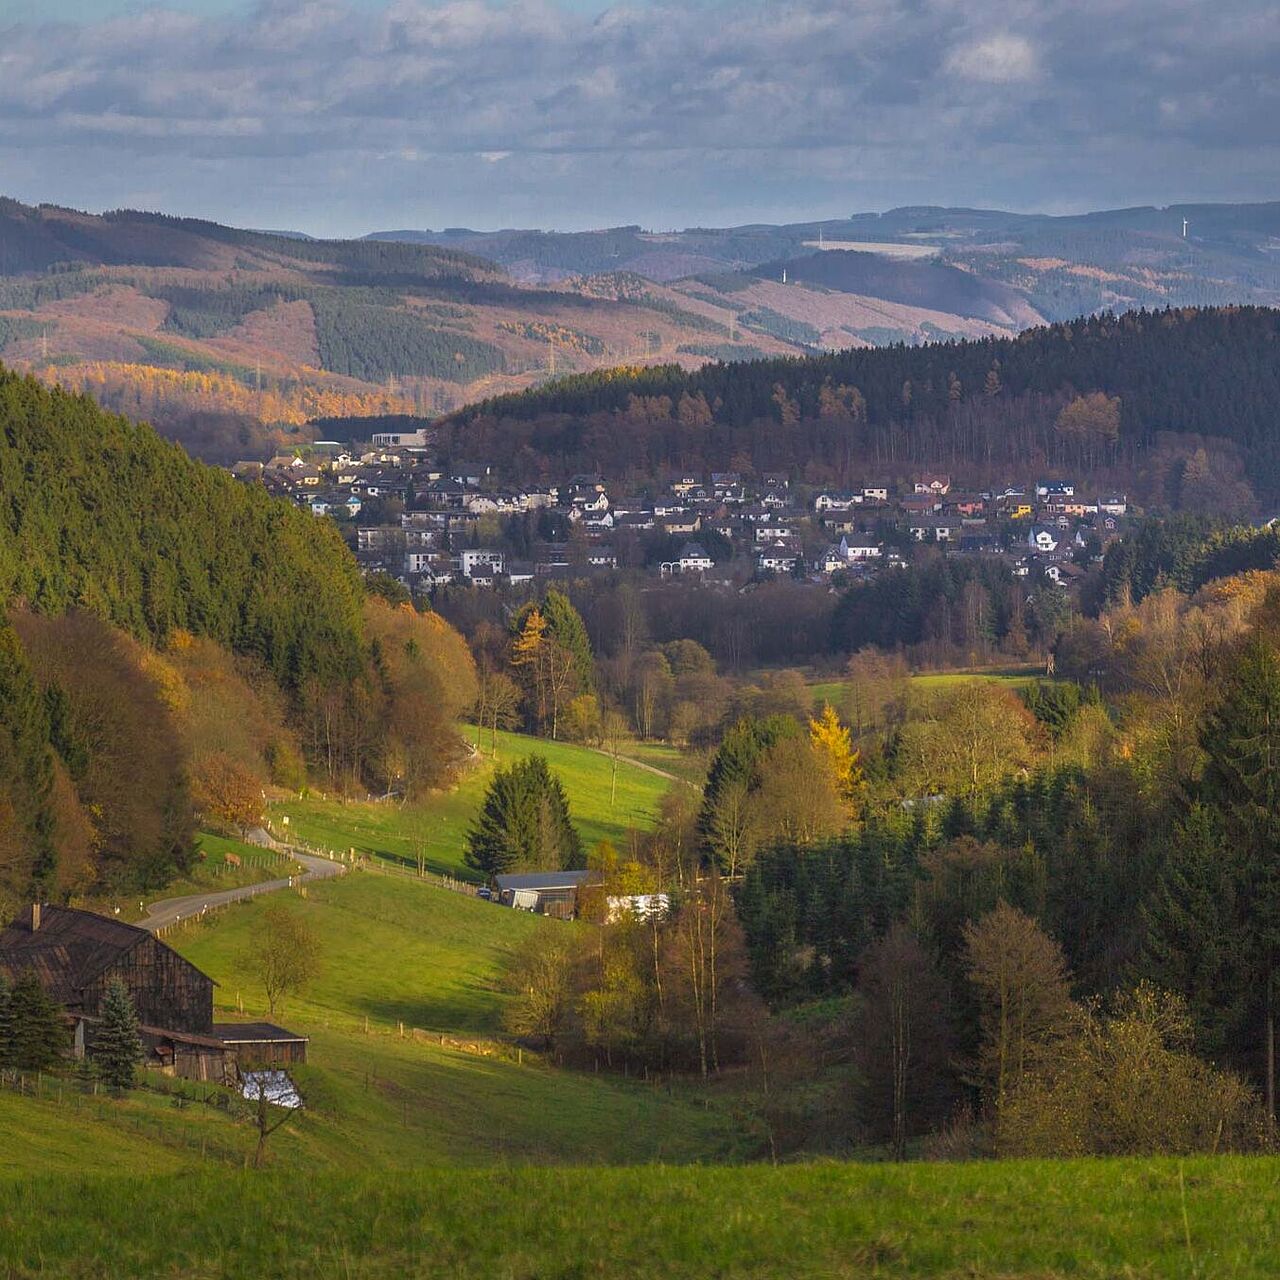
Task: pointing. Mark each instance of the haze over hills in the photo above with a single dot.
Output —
(233, 340)
(1063, 266)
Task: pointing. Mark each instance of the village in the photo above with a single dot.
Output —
(431, 523)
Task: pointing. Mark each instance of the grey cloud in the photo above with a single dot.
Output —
(696, 111)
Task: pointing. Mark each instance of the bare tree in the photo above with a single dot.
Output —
(283, 954)
(1021, 979)
(613, 733)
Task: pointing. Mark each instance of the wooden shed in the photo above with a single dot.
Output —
(261, 1044)
(550, 893)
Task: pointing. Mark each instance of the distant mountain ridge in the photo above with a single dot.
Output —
(1063, 265)
(233, 341)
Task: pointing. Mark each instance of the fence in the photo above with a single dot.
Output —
(83, 1095)
(384, 863)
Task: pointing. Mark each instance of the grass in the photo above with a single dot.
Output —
(1016, 1220)
(386, 828)
(688, 766)
(397, 952)
(835, 691)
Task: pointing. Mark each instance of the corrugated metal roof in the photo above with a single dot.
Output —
(538, 880)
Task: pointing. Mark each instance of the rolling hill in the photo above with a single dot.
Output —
(1062, 266)
(231, 340)
(235, 341)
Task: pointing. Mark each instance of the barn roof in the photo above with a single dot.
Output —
(69, 949)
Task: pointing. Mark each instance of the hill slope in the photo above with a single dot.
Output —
(1062, 266)
(1185, 381)
(231, 340)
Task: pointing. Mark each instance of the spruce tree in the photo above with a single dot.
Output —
(1241, 738)
(39, 1036)
(524, 823)
(116, 1048)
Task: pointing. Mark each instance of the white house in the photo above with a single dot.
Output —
(692, 559)
(1042, 539)
(860, 548)
(830, 501)
(777, 559)
(473, 558)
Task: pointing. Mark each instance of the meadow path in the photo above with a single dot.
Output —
(169, 911)
(638, 764)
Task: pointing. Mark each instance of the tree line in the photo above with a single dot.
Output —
(973, 406)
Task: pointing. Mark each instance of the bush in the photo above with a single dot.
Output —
(1125, 1082)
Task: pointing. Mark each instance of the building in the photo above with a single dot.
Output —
(777, 559)
(76, 955)
(261, 1044)
(549, 893)
(692, 559)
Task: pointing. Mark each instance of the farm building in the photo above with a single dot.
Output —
(76, 955)
(550, 893)
(261, 1044)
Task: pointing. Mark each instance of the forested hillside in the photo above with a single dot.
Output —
(1135, 384)
(232, 341)
(172, 642)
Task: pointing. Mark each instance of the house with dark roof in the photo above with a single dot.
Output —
(77, 954)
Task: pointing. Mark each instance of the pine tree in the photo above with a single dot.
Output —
(524, 823)
(1241, 737)
(39, 1037)
(116, 1047)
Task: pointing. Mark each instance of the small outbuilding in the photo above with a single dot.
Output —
(261, 1044)
(549, 893)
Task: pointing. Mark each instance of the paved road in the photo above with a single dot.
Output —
(170, 910)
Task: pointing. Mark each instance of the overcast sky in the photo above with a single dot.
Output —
(345, 116)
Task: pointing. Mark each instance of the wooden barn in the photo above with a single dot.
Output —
(76, 954)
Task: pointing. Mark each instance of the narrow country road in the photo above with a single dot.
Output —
(171, 910)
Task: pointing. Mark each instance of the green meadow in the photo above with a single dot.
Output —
(390, 829)
(431, 1146)
(1207, 1217)
(835, 691)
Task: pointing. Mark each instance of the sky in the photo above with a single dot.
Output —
(340, 117)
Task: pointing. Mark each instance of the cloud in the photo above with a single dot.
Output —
(653, 111)
(998, 59)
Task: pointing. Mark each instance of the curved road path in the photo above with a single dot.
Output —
(171, 910)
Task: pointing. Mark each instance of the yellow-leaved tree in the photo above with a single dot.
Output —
(834, 748)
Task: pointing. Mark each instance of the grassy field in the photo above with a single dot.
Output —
(402, 954)
(835, 691)
(1209, 1217)
(387, 828)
